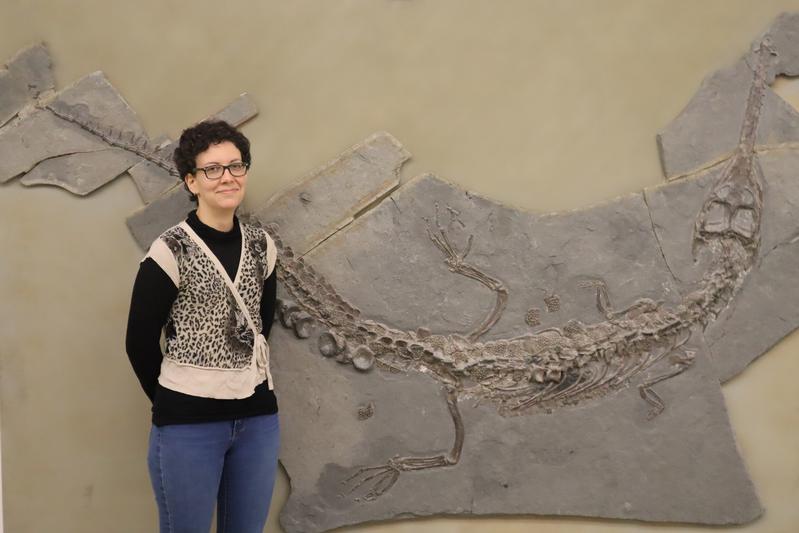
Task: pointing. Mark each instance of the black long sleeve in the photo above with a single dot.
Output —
(268, 302)
(152, 298)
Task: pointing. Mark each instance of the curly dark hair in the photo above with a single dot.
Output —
(198, 138)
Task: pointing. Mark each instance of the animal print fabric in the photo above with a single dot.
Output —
(205, 327)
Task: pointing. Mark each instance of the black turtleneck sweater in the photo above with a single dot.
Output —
(153, 295)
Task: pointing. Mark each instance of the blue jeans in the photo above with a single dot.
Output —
(231, 464)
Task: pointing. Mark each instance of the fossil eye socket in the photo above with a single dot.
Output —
(717, 218)
(744, 222)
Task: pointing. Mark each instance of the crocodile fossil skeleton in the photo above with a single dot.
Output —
(557, 366)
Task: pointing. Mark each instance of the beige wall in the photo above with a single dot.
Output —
(544, 105)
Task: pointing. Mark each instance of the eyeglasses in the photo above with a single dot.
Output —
(214, 172)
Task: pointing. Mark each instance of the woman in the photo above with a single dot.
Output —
(209, 284)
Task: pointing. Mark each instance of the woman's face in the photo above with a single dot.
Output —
(225, 193)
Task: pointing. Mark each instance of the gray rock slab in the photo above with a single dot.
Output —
(602, 458)
(152, 180)
(784, 35)
(756, 322)
(536, 256)
(239, 111)
(41, 136)
(601, 461)
(26, 76)
(81, 173)
(167, 210)
(330, 198)
(767, 313)
(709, 127)
(103, 102)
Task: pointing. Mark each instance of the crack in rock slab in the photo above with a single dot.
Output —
(81, 173)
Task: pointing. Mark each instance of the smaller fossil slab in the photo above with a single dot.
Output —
(27, 75)
(56, 137)
(81, 173)
(708, 128)
(167, 210)
(323, 203)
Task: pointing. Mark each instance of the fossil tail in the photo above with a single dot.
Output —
(140, 145)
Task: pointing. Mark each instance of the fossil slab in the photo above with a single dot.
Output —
(545, 463)
(57, 138)
(707, 129)
(168, 209)
(27, 76)
(590, 388)
(151, 180)
(83, 172)
(696, 146)
(312, 210)
(784, 33)
(387, 328)
(86, 136)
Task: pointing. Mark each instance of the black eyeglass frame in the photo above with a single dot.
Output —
(224, 168)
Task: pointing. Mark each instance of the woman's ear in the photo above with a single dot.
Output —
(191, 183)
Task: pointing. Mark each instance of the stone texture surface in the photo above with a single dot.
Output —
(81, 173)
(599, 459)
(167, 210)
(151, 180)
(535, 255)
(312, 210)
(239, 111)
(26, 76)
(784, 34)
(708, 128)
(53, 138)
(759, 318)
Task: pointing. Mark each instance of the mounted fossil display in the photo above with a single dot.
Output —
(441, 353)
